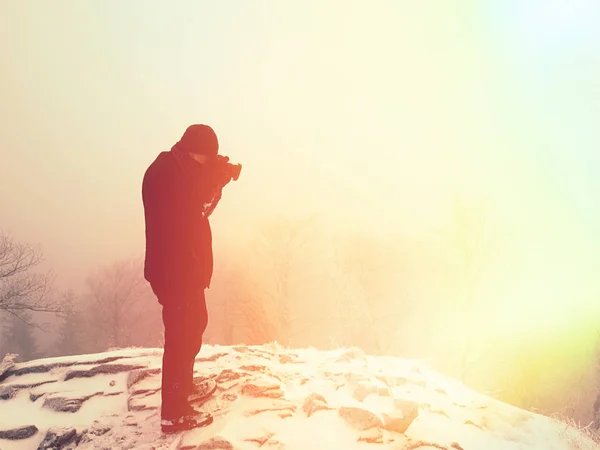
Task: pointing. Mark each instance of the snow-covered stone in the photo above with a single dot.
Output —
(59, 438)
(313, 403)
(14, 434)
(360, 419)
(267, 397)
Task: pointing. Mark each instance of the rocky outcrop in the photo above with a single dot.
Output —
(262, 393)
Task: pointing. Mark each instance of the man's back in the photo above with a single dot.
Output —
(178, 238)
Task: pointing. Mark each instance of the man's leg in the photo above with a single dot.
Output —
(174, 363)
(196, 325)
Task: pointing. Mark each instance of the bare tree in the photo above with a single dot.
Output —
(121, 309)
(263, 286)
(244, 309)
(374, 301)
(22, 289)
(18, 337)
(471, 239)
(73, 328)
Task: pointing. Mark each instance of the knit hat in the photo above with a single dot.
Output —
(200, 139)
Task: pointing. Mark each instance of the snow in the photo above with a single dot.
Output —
(268, 397)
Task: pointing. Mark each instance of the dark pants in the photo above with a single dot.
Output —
(185, 319)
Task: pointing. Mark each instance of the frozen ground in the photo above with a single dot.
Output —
(268, 397)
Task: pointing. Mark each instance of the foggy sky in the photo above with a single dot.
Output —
(375, 114)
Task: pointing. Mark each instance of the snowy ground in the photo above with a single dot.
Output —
(268, 397)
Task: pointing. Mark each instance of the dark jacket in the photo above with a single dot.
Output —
(178, 237)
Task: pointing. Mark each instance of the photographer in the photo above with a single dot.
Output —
(180, 190)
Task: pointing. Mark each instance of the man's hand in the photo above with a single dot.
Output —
(212, 204)
(220, 173)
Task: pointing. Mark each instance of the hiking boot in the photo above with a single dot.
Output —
(185, 423)
(202, 390)
(191, 411)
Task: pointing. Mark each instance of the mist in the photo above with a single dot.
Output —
(421, 178)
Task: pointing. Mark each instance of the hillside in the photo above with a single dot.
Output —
(268, 397)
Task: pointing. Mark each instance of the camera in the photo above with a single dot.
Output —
(228, 170)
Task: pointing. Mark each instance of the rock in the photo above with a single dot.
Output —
(137, 375)
(262, 440)
(334, 375)
(274, 444)
(7, 363)
(355, 378)
(413, 445)
(32, 385)
(15, 434)
(387, 380)
(404, 415)
(363, 390)
(33, 397)
(227, 375)
(215, 443)
(400, 381)
(144, 392)
(108, 359)
(351, 355)
(143, 401)
(383, 391)
(229, 396)
(58, 438)
(273, 408)
(212, 358)
(102, 369)
(256, 368)
(284, 359)
(313, 403)
(42, 368)
(7, 392)
(360, 419)
(396, 423)
(406, 406)
(441, 412)
(98, 429)
(130, 421)
(470, 422)
(256, 389)
(289, 359)
(372, 436)
(64, 404)
(254, 352)
(244, 349)
(421, 383)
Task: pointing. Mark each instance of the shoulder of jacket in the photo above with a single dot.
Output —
(164, 166)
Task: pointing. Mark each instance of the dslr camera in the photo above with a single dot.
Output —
(227, 170)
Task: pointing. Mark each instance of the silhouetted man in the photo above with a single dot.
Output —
(180, 190)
